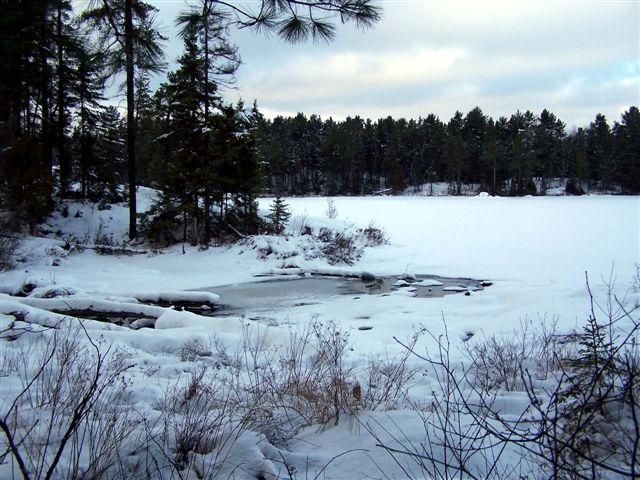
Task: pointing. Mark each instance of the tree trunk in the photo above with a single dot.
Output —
(63, 158)
(47, 142)
(194, 230)
(131, 128)
(206, 9)
(207, 217)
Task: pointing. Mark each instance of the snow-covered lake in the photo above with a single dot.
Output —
(533, 251)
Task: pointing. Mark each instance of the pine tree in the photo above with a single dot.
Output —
(547, 145)
(600, 153)
(107, 171)
(296, 21)
(627, 150)
(66, 47)
(473, 132)
(278, 215)
(25, 109)
(207, 25)
(129, 41)
(522, 155)
(88, 88)
(455, 152)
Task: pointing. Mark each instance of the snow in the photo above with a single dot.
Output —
(534, 250)
(167, 296)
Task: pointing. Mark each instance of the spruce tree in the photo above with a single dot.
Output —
(278, 215)
(107, 171)
(627, 150)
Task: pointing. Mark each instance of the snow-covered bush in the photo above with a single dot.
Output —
(65, 415)
(373, 235)
(192, 350)
(339, 247)
(299, 225)
(578, 397)
(332, 210)
(200, 420)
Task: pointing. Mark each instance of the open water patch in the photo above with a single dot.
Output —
(286, 292)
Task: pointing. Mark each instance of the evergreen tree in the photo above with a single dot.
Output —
(88, 92)
(65, 39)
(455, 152)
(207, 24)
(577, 169)
(129, 41)
(473, 133)
(25, 108)
(278, 215)
(435, 140)
(549, 132)
(106, 173)
(522, 156)
(145, 128)
(627, 150)
(489, 157)
(600, 153)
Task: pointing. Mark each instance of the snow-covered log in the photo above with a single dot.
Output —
(188, 300)
(87, 307)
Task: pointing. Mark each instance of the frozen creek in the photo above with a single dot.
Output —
(256, 298)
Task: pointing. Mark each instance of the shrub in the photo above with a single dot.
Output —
(373, 236)
(8, 248)
(332, 211)
(339, 247)
(71, 388)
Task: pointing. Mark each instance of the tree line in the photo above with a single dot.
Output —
(306, 155)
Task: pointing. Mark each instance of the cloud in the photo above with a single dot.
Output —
(576, 58)
(306, 78)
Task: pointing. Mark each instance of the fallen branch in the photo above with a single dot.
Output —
(113, 250)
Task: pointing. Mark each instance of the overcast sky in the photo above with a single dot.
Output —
(576, 58)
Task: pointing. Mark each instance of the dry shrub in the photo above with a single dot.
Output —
(339, 247)
(67, 415)
(373, 236)
(192, 350)
(500, 362)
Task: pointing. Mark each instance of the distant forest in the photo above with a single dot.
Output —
(304, 155)
(61, 139)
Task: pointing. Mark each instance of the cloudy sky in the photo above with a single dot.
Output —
(574, 57)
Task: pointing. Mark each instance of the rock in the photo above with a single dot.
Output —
(367, 277)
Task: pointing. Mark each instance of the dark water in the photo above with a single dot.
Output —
(295, 291)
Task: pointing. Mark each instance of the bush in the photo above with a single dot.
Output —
(339, 247)
(581, 418)
(65, 417)
(8, 247)
(374, 236)
(332, 211)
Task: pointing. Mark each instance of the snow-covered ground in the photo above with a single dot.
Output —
(534, 251)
